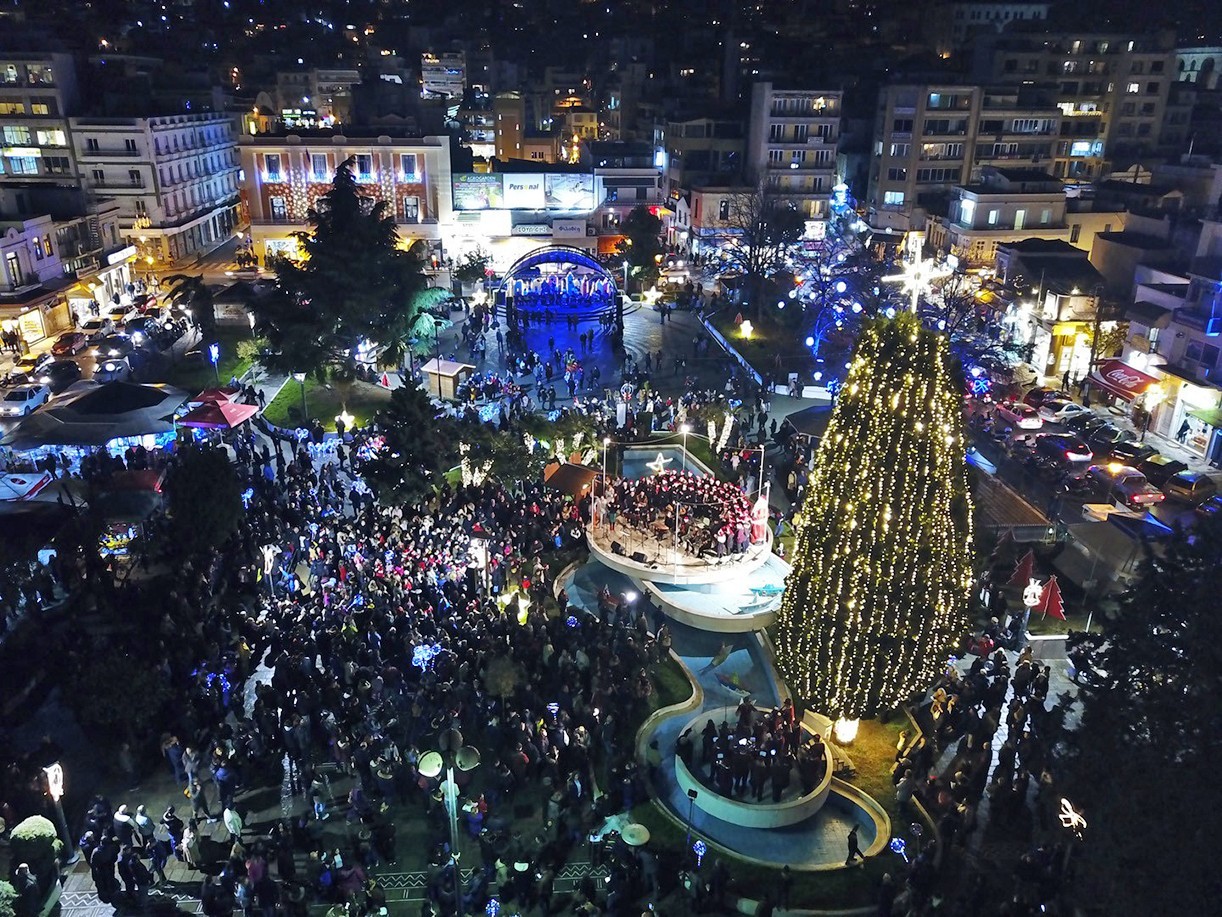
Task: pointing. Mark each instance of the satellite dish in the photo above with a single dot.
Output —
(430, 764)
(467, 758)
(450, 740)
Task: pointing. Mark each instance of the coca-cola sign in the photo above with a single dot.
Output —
(1123, 378)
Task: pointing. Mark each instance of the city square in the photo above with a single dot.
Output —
(538, 458)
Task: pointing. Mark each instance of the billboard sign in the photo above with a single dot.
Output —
(524, 192)
(478, 191)
(570, 192)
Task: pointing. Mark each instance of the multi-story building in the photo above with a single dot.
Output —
(509, 122)
(326, 95)
(929, 139)
(1009, 205)
(702, 150)
(175, 178)
(37, 94)
(287, 173)
(791, 145)
(443, 76)
(967, 20)
(1202, 66)
(711, 215)
(1111, 88)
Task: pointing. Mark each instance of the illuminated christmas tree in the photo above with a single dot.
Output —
(882, 563)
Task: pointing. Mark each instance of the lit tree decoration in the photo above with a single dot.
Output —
(917, 279)
(882, 566)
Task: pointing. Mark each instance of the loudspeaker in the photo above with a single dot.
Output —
(617, 548)
(639, 557)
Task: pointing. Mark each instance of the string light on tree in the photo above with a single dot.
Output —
(917, 279)
(882, 564)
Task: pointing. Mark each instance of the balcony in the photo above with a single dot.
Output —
(111, 154)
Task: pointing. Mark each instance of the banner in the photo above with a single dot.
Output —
(570, 192)
(524, 192)
(567, 229)
(478, 191)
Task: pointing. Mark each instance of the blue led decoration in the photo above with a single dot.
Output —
(700, 848)
(900, 846)
(247, 495)
(571, 621)
(424, 654)
(553, 708)
(214, 354)
(493, 908)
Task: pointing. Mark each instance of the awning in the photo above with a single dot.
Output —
(1210, 416)
(569, 478)
(1121, 379)
(224, 415)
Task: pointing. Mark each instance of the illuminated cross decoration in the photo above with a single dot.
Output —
(917, 278)
(1071, 818)
(658, 465)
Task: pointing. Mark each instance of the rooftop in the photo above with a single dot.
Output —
(1136, 240)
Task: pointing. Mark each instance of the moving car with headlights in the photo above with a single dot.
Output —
(23, 400)
(96, 328)
(1064, 449)
(113, 345)
(68, 343)
(59, 375)
(113, 369)
(1020, 415)
(1124, 484)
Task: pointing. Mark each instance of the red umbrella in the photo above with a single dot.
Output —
(1050, 600)
(214, 394)
(1023, 572)
(224, 415)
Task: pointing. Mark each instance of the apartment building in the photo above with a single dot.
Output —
(792, 137)
(287, 173)
(175, 178)
(931, 138)
(443, 76)
(326, 95)
(702, 150)
(1112, 90)
(37, 94)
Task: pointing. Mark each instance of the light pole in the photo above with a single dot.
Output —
(55, 788)
(684, 429)
(479, 557)
(214, 357)
(606, 443)
(452, 754)
(301, 377)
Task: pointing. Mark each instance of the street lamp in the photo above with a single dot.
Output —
(214, 357)
(684, 429)
(301, 377)
(606, 443)
(452, 754)
(55, 788)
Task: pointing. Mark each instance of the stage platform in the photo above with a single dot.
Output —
(661, 563)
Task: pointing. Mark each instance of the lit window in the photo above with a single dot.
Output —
(893, 198)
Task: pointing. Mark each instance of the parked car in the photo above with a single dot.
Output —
(1159, 469)
(113, 345)
(1085, 423)
(23, 400)
(1124, 484)
(1103, 439)
(113, 369)
(59, 375)
(1211, 507)
(1042, 395)
(1020, 415)
(118, 314)
(1132, 452)
(32, 364)
(1191, 487)
(1059, 410)
(68, 343)
(96, 328)
(1065, 449)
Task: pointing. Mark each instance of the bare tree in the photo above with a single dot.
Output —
(763, 231)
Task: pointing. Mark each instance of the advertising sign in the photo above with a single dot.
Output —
(570, 192)
(524, 192)
(478, 191)
(567, 229)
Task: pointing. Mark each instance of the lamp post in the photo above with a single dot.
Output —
(214, 357)
(691, 805)
(684, 429)
(452, 754)
(606, 443)
(55, 788)
(301, 377)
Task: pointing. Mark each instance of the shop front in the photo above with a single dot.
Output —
(1118, 381)
(35, 321)
(1193, 415)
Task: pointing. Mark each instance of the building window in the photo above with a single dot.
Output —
(16, 136)
(409, 166)
(1203, 355)
(133, 177)
(893, 198)
(993, 215)
(40, 108)
(10, 73)
(900, 150)
(901, 126)
(14, 268)
(1133, 88)
(280, 211)
(364, 167)
(318, 167)
(46, 245)
(897, 175)
(40, 74)
(967, 211)
(775, 132)
(776, 155)
(38, 248)
(1075, 233)
(1045, 216)
(22, 165)
(271, 167)
(91, 144)
(411, 209)
(723, 209)
(53, 137)
(129, 145)
(99, 176)
(1152, 88)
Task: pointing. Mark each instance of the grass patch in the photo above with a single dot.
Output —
(195, 375)
(671, 683)
(767, 341)
(324, 401)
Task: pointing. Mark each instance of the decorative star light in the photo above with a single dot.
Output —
(658, 465)
(900, 846)
(1071, 818)
(651, 296)
(700, 848)
(917, 277)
